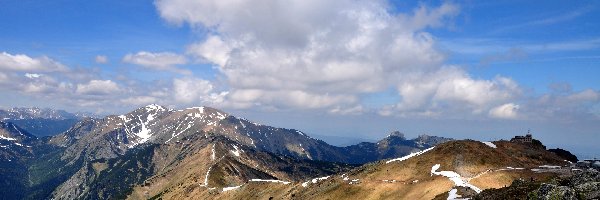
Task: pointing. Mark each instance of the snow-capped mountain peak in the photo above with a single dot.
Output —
(35, 113)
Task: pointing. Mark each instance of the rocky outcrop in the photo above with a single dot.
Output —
(583, 185)
(588, 190)
(550, 191)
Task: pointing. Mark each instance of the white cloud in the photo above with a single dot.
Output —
(586, 95)
(452, 89)
(20, 62)
(566, 106)
(98, 87)
(37, 87)
(309, 53)
(192, 90)
(32, 76)
(101, 59)
(246, 98)
(213, 50)
(3, 77)
(506, 111)
(164, 61)
(347, 111)
(139, 100)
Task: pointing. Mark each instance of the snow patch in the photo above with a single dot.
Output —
(242, 123)
(514, 168)
(314, 180)
(180, 132)
(213, 152)
(201, 109)
(272, 181)
(409, 155)
(568, 161)
(206, 177)
(345, 177)
(144, 133)
(550, 166)
(454, 177)
(152, 107)
(15, 127)
(235, 152)
(124, 118)
(225, 189)
(452, 195)
(490, 144)
(7, 138)
(150, 117)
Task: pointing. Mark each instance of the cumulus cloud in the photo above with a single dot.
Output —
(194, 90)
(451, 90)
(21, 62)
(213, 50)
(506, 111)
(38, 84)
(163, 61)
(310, 54)
(101, 59)
(139, 100)
(98, 87)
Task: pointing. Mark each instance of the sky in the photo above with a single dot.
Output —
(345, 68)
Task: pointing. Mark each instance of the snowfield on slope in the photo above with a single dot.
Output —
(454, 177)
(225, 189)
(7, 138)
(314, 180)
(409, 155)
(269, 180)
(490, 144)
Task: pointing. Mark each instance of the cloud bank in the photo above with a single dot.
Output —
(323, 56)
(326, 55)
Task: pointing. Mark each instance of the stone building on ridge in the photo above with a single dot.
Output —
(523, 139)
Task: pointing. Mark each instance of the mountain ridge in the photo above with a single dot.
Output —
(202, 152)
(115, 136)
(42, 121)
(158, 124)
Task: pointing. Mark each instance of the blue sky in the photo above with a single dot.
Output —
(464, 69)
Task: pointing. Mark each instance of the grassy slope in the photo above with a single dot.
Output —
(412, 177)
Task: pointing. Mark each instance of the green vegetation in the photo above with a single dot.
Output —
(48, 171)
(123, 173)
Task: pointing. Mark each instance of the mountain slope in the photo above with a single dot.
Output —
(198, 161)
(152, 132)
(74, 133)
(432, 173)
(204, 153)
(115, 143)
(14, 141)
(114, 135)
(15, 150)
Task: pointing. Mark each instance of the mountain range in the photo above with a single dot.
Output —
(155, 152)
(42, 122)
